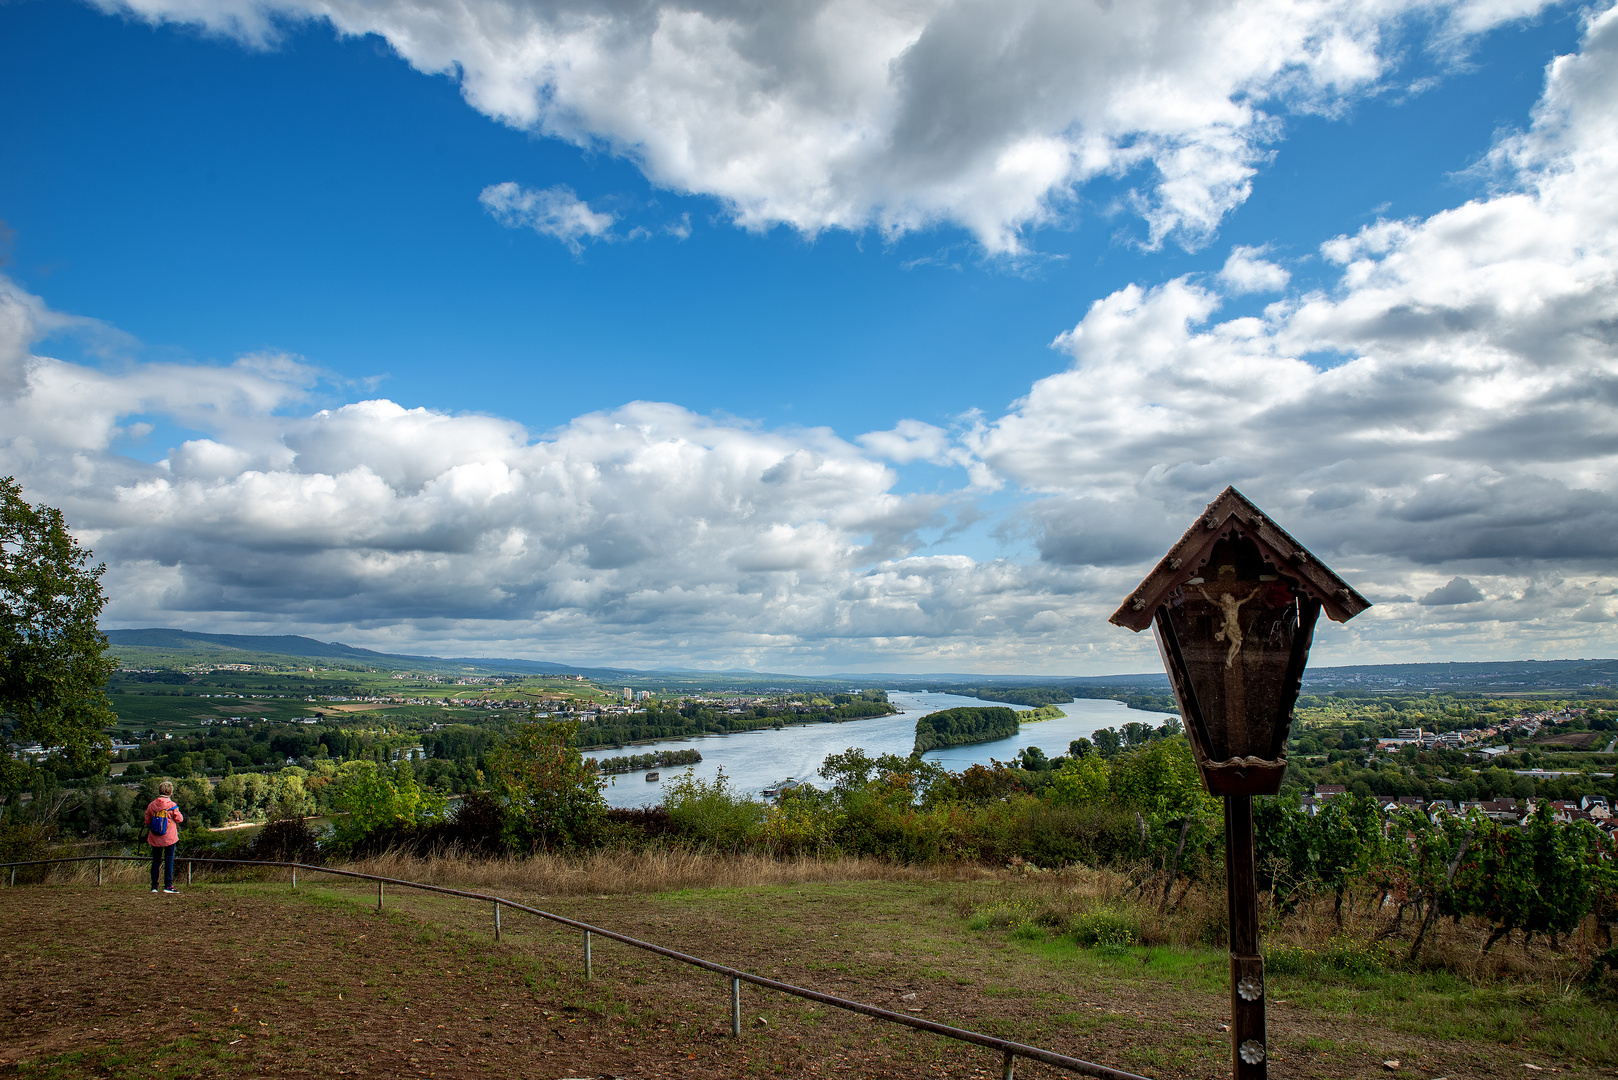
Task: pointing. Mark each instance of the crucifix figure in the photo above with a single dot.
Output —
(1232, 630)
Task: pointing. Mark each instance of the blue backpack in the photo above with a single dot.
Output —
(160, 824)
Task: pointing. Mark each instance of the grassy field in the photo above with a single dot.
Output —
(247, 977)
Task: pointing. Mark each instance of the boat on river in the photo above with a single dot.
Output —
(782, 788)
(652, 777)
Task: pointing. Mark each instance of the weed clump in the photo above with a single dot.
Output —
(1341, 955)
(1109, 929)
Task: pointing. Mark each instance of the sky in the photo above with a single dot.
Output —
(814, 337)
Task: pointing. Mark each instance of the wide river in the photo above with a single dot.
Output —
(756, 760)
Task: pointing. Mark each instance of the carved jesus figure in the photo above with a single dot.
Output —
(1232, 630)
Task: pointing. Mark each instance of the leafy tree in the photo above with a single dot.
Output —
(553, 796)
(1161, 779)
(372, 798)
(1108, 742)
(1079, 780)
(53, 666)
(1033, 759)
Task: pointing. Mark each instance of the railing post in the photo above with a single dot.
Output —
(294, 875)
(13, 877)
(98, 873)
(589, 965)
(379, 896)
(735, 1007)
(1008, 1066)
(497, 920)
(188, 864)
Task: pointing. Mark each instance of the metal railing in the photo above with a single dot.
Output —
(1009, 1050)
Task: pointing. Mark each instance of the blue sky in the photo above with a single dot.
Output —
(234, 224)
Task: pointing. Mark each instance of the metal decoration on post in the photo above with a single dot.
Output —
(1234, 605)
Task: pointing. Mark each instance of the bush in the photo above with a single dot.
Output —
(478, 824)
(1107, 928)
(710, 813)
(27, 840)
(286, 839)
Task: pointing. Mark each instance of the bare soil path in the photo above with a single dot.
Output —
(255, 980)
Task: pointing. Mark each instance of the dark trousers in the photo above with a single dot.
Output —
(164, 857)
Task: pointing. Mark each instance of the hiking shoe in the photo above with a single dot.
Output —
(154, 892)
(172, 892)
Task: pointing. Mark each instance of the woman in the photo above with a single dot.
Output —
(163, 820)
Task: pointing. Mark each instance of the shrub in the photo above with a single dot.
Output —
(710, 813)
(26, 840)
(1106, 928)
(286, 839)
(478, 823)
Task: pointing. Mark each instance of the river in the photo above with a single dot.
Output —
(755, 760)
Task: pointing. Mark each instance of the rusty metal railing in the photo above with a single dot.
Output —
(1009, 1050)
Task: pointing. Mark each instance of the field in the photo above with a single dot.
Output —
(249, 977)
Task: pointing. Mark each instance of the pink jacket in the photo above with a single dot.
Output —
(155, 808)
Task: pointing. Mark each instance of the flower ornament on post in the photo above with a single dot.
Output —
(1234, 606)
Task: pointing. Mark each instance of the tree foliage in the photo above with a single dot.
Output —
(553, 796)
(964, 726)
(53, 666)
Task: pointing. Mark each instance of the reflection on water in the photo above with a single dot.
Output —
(756, 760)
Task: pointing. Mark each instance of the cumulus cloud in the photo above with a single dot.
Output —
(554, 211)
(1246, 271)
(988, 114)
(1443, 413)
(642, 533)
(1458, 591)
(1448, 403)
(910, 440)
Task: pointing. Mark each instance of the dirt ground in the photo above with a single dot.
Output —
(252, 979)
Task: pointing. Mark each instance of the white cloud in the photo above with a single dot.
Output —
(1467, 421)
(910, 440)
(1247, 272)
(554, 211)
(1462, 433)
(987, 114)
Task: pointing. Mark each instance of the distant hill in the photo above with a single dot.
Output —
(1501, 676)
(167, 647)
(285, 645)
(1494, 676)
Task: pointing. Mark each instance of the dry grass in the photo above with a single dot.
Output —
(654, 871)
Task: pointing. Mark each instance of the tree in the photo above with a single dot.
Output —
(372, 797)
(1080, 780)
(53, 662)
(1108, 742)
(554, 798)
